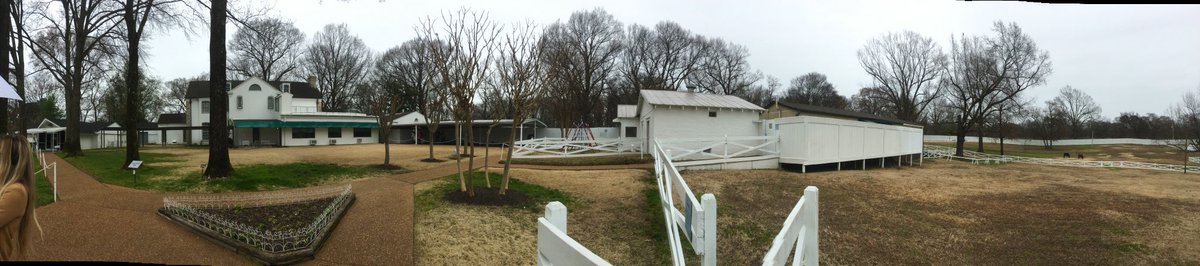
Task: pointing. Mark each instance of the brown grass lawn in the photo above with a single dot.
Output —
(608, 216)
(953, 213)
(405, 155)
(1115, 152)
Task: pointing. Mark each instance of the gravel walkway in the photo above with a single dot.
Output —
(93, 221)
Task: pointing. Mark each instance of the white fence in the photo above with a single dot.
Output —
(698, 219)
(1037, 142)
(800, 231)
(720, 148)
(987, 158)
(50, 171)
(559, 148)
(555, 247)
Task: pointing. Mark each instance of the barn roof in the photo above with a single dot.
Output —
(176, 118)
(694, 99)
(626, 111)
(807, 108)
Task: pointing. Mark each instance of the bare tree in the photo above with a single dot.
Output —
(814, 89)
(340, 61)
(984, 73)
(1047, 125)
(71, 47)
(581, 59)
(268, 48)
(462, 58)
(905, 67)
(494, 105)
(522, 79)
(136, 15)
(662, 58)
(218, 147)
(1186, 130)
(723, 69)
(1077, 106)
(872, 100)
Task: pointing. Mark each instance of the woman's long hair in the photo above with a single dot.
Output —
(18, 168)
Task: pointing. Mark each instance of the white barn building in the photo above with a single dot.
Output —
(681, 114)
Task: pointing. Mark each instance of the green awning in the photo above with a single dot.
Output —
(300, 124)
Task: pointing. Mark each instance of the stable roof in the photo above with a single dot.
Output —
(694, 99)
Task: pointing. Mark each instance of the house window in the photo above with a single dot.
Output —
(287, 88)
(362, 132)
(630, 132)
(228, 86)
(239, 103)
(255, 87)
(204, 132)
(304, 133)
(712, 114)
(278, 107)
(335, 132)
(204, 107)
(270, 103)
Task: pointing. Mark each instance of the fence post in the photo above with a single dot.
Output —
(709, 203)
(55, 165)
(811, 196)
(726, 156)
(556, 213)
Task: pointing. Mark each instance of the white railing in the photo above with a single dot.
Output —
(932, 151)
(555, 247)
(720, 147)
(53, 173)
(304, 109)
(560, 148)
(698, 219)
(800, 231)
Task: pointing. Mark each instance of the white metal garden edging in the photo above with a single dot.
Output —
(697, 221)
(800, 230)
(560, 148)
(190, 209)
(555, 247)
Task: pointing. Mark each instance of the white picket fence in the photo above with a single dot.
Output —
(560, 148)
(933, 151)
(800, 231)
(555, 247)
(698, 219)
(51, 172)
(719, 148)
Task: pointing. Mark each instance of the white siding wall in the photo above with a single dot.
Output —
(174, 136)
(681, 122)
(322, 137)
(254, 103)
(819, 140)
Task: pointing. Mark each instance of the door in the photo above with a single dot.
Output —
(144, 137)
(254, 135)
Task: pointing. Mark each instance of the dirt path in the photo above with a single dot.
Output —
(93, 221)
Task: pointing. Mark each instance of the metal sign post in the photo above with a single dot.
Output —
(134, 165)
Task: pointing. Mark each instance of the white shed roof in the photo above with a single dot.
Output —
(695, 99)
(626, 111)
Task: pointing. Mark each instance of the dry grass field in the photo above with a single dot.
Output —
(408, 156)
(953, 213)
(608, 216)
(1114, 152)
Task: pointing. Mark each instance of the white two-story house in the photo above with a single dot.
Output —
(263, 113)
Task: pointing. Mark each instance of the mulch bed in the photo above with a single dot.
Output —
(489, 197)
(276, 218)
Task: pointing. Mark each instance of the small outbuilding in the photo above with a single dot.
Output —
(684, 114)
(815, 135)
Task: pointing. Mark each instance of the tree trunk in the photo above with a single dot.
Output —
(218, 144)
(386, 132)
(5, 47)
(432, 132)
(471, 160)
(960, 140)
(979, 137)
(462, 182)
(487, 155)
(132, 78)
(512, 139)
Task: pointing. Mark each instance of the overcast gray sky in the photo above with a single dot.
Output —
(1137, 58)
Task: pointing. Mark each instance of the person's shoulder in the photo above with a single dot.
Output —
(16, 187)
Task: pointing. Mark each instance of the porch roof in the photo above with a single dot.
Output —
(300, 124)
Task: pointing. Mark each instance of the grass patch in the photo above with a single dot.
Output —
(45, 190)
(595, 160)
(157, 173)
(1132, 247)
(539, 196)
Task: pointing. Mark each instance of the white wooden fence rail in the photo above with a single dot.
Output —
(555, 247)
(933, 151)
(800, 231)
(698, 219)
(719, 147)
(559, 147)
(50, 171)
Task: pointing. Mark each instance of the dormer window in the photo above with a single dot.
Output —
(228, 86)
(287, 88)
(255, 87)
